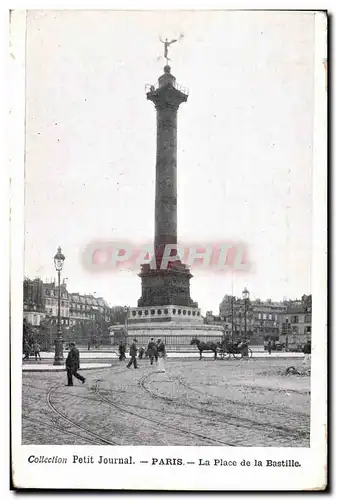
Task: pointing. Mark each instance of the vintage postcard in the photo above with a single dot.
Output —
(168, 187)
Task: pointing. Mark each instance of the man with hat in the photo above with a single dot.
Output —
(152, 350)
(133, 354)
(73, 364)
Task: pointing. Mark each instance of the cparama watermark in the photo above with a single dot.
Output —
(118, 255)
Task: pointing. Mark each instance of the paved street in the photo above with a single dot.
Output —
(229, 403)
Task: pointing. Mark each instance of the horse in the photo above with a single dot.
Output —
(205, 346)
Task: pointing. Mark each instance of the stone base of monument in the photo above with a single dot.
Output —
(182, 332)
(175, 325)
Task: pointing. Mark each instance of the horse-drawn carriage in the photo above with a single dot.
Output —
(225, 349)
(238, 350)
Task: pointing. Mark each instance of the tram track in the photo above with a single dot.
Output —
(99, 439)
(58, 428)
(283, 429)
(159, 423)
(242, 422)
(241, 403)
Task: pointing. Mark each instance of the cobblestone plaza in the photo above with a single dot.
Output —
(209, 403)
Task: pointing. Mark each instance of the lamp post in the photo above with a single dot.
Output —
(232, 307)
(245, 295)
(58, 261)
(126, 310)
(287, 331)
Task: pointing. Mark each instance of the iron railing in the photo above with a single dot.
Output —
(177, 86)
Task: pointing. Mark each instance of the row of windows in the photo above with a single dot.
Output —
(296, 319)
(307, 329)
(51, 294)
(166, 311)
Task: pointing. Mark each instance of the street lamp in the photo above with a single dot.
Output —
(245, 295)
(287, 331)
(126, 310)
(58, 261)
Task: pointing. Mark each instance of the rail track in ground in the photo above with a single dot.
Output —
(242, 422)
(173, 428)
(57, 427)
(93, 435)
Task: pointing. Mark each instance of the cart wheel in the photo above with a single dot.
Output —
(225, 355)
(237, 355)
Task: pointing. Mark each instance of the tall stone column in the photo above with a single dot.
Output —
(166, 99)
(166, 286)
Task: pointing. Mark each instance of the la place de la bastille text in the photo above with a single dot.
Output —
(160, 461)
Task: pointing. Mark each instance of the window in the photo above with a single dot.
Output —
(270, 316)
(174, 311)
(134, 313)
(294, 319)
(307, 318)
(165, 311)
(146, 313)
(295, 329)
(184, 312)
(159, 312)
(153, 312)
(308, 329)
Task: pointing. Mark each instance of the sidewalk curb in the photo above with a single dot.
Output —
(51, 368)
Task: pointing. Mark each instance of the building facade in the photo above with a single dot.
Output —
(40, 302)
(295, 322)
(87, 308)
(33, 301)
(51, 304)
(257, 319)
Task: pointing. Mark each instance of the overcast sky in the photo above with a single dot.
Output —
(244, 143)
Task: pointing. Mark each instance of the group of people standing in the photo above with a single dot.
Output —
(33, 348)
(154, 351)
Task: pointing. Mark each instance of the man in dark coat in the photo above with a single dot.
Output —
(161, 348)
(133, 354)
(152, 350)
(269, 346)
(307, 347)
(121, 349)
(73, 364)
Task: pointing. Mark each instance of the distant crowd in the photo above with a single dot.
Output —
(153, 351)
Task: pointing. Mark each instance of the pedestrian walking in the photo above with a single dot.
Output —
(141, 352)
(133, 355)
(36, 351)
(269, 346)
(161, 348)
(152, 351)
(307, 352)
(73, 364)
(121, 350)
(161, 355)
(26, 350)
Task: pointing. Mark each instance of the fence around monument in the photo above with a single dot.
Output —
(173, 342)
